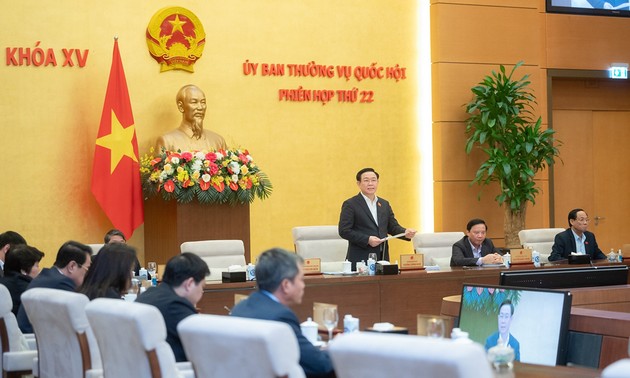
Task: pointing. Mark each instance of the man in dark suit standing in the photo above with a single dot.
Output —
(280, 280)
(475, 248)
(366, 220)
(177, 295)
(576, 239)
(72, 263)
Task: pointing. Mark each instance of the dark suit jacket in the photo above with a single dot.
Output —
(17, 284)
(356, 225)
(463, 254)
(493, 339)
(174, 309)
(48, 278)
(564, 244)
(260, 306)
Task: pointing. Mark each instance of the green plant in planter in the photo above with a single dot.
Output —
(501, 124)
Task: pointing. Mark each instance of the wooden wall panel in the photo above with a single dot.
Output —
(452, 83)
(477, 34)
(498, 3)
(590, 94)
(586, 42)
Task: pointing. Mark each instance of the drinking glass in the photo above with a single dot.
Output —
(435, 328)
(331, 317)
(152, 268)
(372, 256)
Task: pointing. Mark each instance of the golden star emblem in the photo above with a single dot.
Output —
(177, 25)
(118, 142)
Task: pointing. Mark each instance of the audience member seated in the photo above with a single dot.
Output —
(72, 262)
(21, 265)
(110, 273)
(576, 239)
(280, 280)
(475, 248)
(116, 236)
(177, 295)
(7, 240)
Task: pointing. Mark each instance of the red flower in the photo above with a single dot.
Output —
(155, 161)
(213, 169)
(187, 156)
(169, 186)
(219, 187)
(234, 186)
(204, 185)
(243, 158)
(211, 156)
(186, 184)
(248, 183)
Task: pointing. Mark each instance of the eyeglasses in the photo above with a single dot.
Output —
(583, 220)
(87, 268)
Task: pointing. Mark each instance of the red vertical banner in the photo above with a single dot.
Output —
(116, 171)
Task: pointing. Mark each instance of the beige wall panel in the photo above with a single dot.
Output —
(591, 94)
(458, 202)
(586, 42)
(497, 3)
(450, 161)
(452, 83)
(462, 33)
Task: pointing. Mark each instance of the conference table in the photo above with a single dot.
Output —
(397, 299)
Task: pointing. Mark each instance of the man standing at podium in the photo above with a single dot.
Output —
(366, 220)
(190, 135)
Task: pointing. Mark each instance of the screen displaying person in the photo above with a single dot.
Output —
(475, 248)
(366, 219)
(191, 135)
(503, 335)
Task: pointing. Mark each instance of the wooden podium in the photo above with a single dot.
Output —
(167, 224)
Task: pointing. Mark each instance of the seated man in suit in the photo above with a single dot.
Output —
(72, 263)
(576, 239)
(7, 240)
(366, 219)
(177, 295)
(475, 248)
(280, 280)
(503, 335)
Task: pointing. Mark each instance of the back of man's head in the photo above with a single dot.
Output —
(273, 266)
(183, 266)
(11, 238)
(21, 259)
(72, 251)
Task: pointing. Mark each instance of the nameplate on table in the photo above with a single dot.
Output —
(520, 256)
(412, 261)
(312, 266)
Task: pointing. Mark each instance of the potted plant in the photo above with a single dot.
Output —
(502, 124)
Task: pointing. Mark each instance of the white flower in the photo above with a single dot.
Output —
(234, 178)
(196, 165)
(175, 160)
(235, 167)
(249, 158)
(200, 155)
(206, 177)
(219, 155)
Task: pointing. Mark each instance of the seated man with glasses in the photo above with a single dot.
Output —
(576, 239)
(72, 263)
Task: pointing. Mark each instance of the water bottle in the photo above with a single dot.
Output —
(371, 267)
(143, 274)
(507, 260)
(251, 272)
(620, 256)
(350, 324)
(536, 258)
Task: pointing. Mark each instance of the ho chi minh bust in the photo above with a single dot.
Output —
(190, 135)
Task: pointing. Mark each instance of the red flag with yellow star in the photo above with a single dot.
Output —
(116, 171)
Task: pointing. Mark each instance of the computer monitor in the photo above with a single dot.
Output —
(566, 277)
(535, 321)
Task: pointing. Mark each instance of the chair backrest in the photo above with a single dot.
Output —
(66, 346)
(218, 254)
(225, 346)
(321, 242)
(11, 338)
(95, 248)
(132, 339)
(408, 356)
(539, 239)
(618, 369)
(437, 247)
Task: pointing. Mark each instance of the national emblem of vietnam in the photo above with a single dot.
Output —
(175, 38)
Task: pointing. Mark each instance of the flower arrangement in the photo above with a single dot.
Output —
(222, 176)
